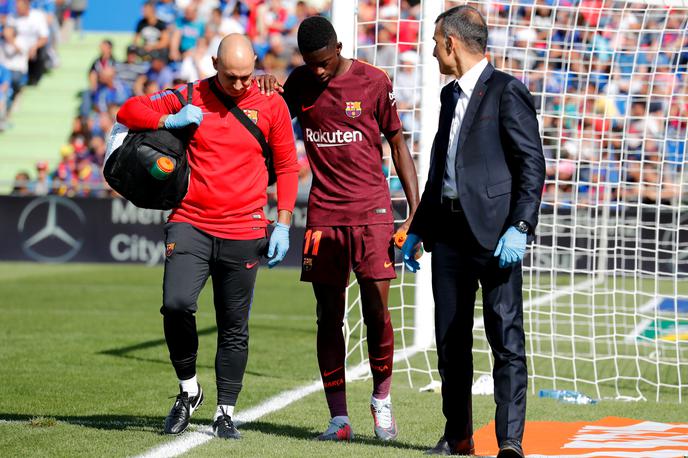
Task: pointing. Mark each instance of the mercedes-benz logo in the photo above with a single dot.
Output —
(44, 227)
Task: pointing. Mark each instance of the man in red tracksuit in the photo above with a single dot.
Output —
(219, 229)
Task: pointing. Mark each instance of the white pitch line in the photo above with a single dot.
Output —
(202, 435)
(194, 439)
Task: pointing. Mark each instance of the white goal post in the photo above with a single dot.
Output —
(606, 281)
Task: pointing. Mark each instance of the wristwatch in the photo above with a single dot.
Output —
(522, 227)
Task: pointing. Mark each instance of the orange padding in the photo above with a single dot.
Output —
(608, 437)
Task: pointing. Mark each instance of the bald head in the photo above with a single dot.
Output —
(234, 63)
(236, 49)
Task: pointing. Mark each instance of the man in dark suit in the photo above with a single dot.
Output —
(478, 209)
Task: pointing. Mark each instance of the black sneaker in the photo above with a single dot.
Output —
(177, 420)
(224, 428)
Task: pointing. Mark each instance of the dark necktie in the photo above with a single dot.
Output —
(453, 99)
(449, 107)
(456, 93)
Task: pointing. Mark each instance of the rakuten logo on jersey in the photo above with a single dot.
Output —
(336, 138)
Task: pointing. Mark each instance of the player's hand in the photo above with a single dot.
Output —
(279, 244)
(511, 247)
(409, 249)
(405, 226)
(190, 114)
(268, 84)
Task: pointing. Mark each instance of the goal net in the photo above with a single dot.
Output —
(606, 281)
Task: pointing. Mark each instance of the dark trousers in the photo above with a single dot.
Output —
(458, 264)
(191, 257)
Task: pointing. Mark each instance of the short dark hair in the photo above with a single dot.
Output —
(315, 33)
(467, 24)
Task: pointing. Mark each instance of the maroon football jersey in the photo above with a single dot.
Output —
(341, 125)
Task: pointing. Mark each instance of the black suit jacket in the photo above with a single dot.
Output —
(500, 167)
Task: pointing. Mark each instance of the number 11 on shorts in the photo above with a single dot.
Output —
(314, 238)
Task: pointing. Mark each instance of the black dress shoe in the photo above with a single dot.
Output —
(452, 447)
(510, 448)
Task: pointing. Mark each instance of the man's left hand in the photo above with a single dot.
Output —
(279, 244)
(511, 247)
(268, 84)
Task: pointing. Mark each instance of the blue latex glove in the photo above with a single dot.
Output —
(190, 114)
(511, 247)
(279, 244)
(409, 250)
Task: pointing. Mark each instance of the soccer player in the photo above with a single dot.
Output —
(343, 106)
(219, 229)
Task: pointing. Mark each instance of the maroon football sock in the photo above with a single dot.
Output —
(381, 353)
(331, 350)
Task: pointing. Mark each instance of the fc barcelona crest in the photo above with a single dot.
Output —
(252, 115)
(353, 109)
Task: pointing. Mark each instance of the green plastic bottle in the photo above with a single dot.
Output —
(162, 168)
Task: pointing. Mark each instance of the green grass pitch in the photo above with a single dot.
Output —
(85, 372)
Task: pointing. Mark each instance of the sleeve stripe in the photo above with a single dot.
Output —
(160, 95)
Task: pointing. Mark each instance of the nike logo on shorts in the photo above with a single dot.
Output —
(304, 108)
(388, 264)
(251, 265)
(327, 374)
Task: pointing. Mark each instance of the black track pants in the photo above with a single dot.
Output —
(191, 257)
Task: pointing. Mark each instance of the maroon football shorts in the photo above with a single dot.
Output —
(331, 252)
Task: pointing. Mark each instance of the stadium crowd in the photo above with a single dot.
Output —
(612, 93)
(30, 31)
(611, 85)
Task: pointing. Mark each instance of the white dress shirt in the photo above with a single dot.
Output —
(467, 83)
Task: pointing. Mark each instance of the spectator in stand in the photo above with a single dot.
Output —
(61, 11)
(647, 181)
(158, 72)
(89, 181)
(220, 26)
(150, 87)
(409, 26)
(42, 185)
(278, 18)
(97, 147)
(32, 29)
(102, 62)
(5, 10)
(21, 184)
(49, 8)
(166, 11)
(105, 121)
(197, 63)
(14, 56)
(5, 95)
(130, 70)
(76, 10)
(407, 88)
(186, 34)
(110, 91)
(62, 177)
(152, 35)
(234, 22)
